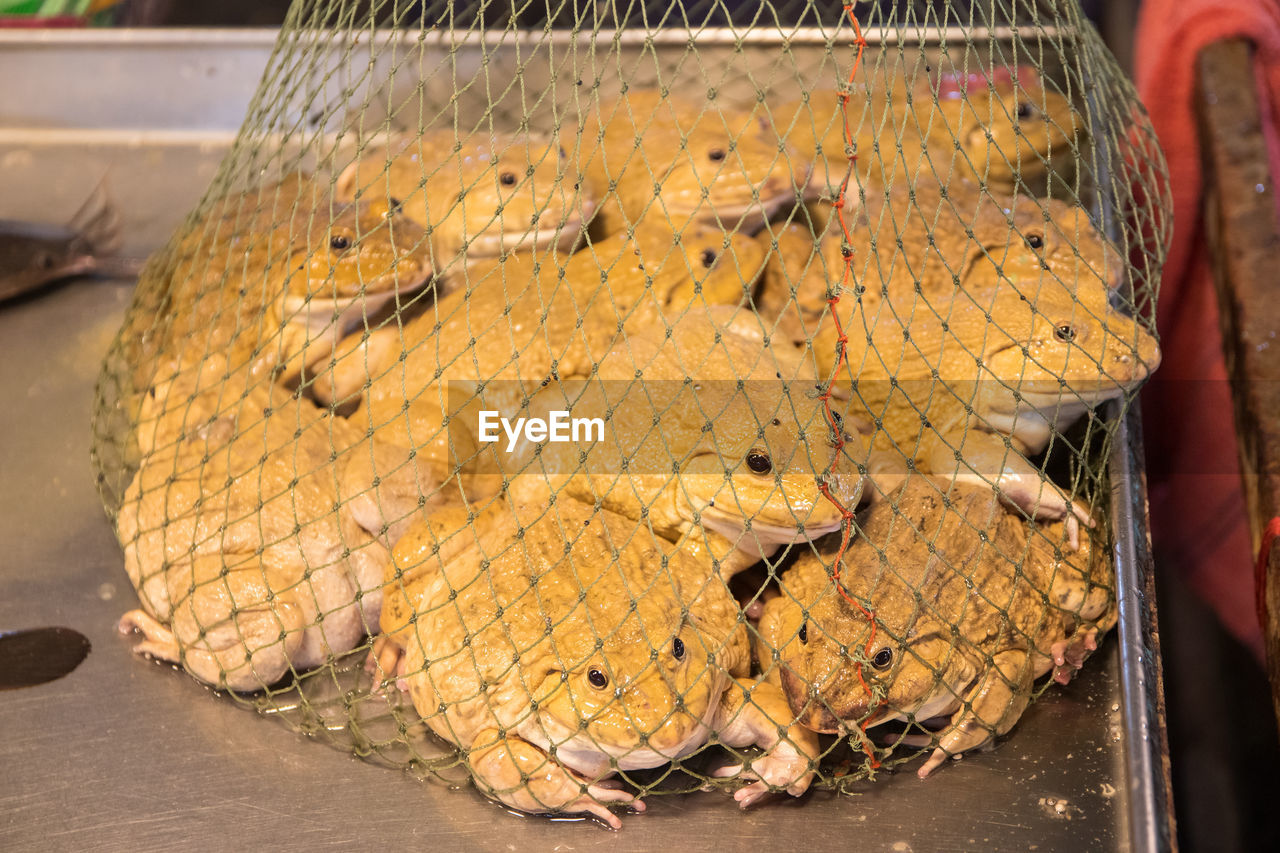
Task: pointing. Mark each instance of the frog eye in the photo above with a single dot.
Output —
(1025, 110)
(677, 648)
(45, 261)
(882, 659)
(508, 179)
(1035, 241)
(597, 678)
(804, 633)
(1065, 332)
(708, 257)
(715, 155)
(393, 206)
(759, 462)
(339, 243)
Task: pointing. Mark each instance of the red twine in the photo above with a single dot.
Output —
(841, 340)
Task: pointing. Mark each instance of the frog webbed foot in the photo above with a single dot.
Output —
(521, 775)
(756, 713)
(157, 640)
(987, 710)
(1069, 654)
(783, 767)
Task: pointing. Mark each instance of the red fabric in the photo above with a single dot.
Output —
(1198, 516)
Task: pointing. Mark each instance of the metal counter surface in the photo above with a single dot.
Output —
(125, 754)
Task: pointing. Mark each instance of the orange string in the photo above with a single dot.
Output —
(841, 341)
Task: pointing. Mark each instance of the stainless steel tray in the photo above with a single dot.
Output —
(122, 754)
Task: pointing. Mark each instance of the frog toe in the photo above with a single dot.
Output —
(1069, 654)
(158, 641)
(385, 663)
(782, 768)
(936, 760)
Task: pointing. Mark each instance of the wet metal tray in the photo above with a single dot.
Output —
(125, 755)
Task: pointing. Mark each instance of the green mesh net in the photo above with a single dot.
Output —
(602, 400)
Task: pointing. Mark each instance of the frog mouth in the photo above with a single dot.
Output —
(562, 234)
(343, 314)
(762, 533)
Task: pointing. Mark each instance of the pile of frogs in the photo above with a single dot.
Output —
(842, 394)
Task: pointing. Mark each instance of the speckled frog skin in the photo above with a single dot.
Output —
(649, 155)
(969, 606)
(501, 657)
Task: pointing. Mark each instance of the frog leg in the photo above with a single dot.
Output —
(989, 460)
(356, 359)
(988, 710)
(237, 627)
(385, 663)
(517, 773)
(751, 715)
(1069, 654)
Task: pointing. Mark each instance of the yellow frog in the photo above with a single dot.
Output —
(665, 155)
(968, 390)
(558, 645)
(256, 551)
(955, 606)
(276, 278)
(479, 196)
(917, 246)
(713, 440)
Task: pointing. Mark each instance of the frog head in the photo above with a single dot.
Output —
(731, 173)
(759, 482)
(839, 675)
(1054, 355)
(740, 451)
(343, 268)
(1052, 247)
(682, 161)
(1009, 125)
(702, 265)
(480, 196)
(632, 680)
(506, 193)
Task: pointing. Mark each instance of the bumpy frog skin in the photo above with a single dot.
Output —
(960, 630)
(501, 657)
(646, 154)
(900, 134)
(799, 278)
(480, 196)
(245, 569)
(277, 277)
